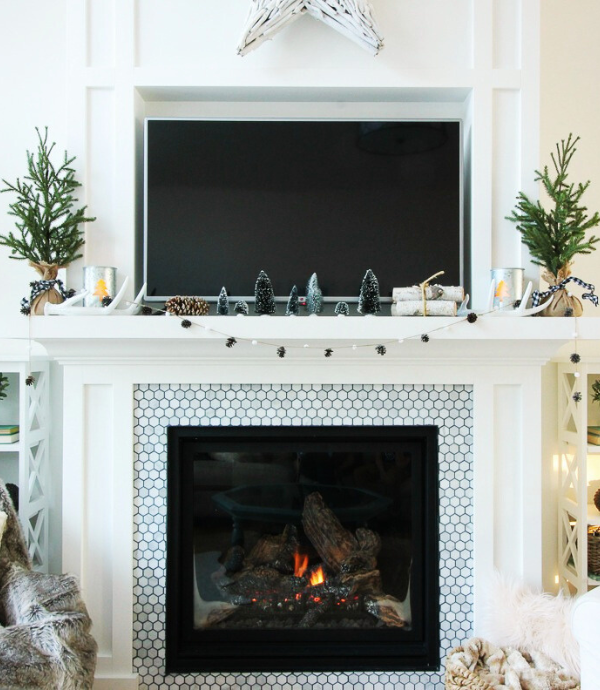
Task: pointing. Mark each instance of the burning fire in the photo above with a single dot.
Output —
(300, 564)
(317, 577)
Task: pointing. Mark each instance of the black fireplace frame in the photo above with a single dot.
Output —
(188, 650)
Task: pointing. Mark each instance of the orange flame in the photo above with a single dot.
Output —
(300, 564)
(317, 577)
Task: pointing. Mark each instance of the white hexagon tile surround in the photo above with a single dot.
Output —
(158, 406)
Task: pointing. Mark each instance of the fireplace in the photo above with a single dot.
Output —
(302, 548)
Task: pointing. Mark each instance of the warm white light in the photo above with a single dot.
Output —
(401, 341)
(556, 580)
(354, 347)
(306, 345)
(255, 342)
(576, 374)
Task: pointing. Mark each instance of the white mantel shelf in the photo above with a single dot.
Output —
(489, 339)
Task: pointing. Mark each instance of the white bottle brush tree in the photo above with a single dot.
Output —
(555, 236)
(48, 232)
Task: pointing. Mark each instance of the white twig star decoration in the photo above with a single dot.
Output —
(352, 18)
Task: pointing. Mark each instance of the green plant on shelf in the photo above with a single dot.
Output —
(3, 386)
(596, 391)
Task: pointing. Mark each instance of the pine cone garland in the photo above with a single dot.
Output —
(187, 306)
(597, 499)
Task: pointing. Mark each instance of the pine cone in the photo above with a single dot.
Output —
(187, 306)
(597, 499)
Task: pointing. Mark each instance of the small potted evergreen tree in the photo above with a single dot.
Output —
(555, 236)
(48, 228)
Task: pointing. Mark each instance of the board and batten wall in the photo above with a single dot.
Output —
(522, 73)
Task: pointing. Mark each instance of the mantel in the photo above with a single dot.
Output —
(491, 340)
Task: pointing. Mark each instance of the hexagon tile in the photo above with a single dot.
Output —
(159, 406)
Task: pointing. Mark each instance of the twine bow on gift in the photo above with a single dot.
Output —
(424, 285)
(537, 297)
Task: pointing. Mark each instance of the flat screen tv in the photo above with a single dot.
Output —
(225, 199)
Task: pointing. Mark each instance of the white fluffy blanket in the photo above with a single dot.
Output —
(505, 668)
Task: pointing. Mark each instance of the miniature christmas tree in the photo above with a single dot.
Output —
(241, 307)
(368, 300)
(222, 303)
(342, 309)
(314, 295)
(264, 296)
(292, 305)
(49, 234)
(556, 236)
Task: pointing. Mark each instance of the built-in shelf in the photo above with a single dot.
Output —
(11, 447)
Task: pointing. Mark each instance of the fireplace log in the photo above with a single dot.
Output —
(276, 551)
(331, 540)
(252, 580)
(312, 616)
(369, 542)
(361, 583)
(387, 609)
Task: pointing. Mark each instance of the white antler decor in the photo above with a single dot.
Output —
(521, 310)
(352, 18)
(68, 308)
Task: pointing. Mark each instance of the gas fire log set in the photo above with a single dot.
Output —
(334, 581)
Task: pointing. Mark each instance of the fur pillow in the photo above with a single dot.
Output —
(517, 616)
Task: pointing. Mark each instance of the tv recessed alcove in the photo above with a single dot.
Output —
(401, 246)
(302, 548)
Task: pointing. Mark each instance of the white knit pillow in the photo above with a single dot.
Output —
(517, 616)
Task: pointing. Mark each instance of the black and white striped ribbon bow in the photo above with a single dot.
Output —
(537, 297)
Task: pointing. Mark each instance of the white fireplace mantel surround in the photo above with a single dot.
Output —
(102, 360)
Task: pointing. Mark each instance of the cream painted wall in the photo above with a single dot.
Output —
(570, 102)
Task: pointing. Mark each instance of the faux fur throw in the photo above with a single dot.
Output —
(480, 664)
(3, 519)
(517, 616)
(46, 644)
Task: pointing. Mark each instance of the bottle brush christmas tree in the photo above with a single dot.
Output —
(368, 299)
(264, 295)
(292, 307)
(314, 295)
(48, 231)
(222, 303)
(555, 236)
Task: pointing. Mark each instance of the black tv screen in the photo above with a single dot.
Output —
(225, 199)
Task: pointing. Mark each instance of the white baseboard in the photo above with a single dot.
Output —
(116, 683)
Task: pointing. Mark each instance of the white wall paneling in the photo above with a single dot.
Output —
(506, 134)
(100, 33)
(179, 58)
(507, 34)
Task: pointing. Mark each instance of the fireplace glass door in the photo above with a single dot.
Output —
(301, 548)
